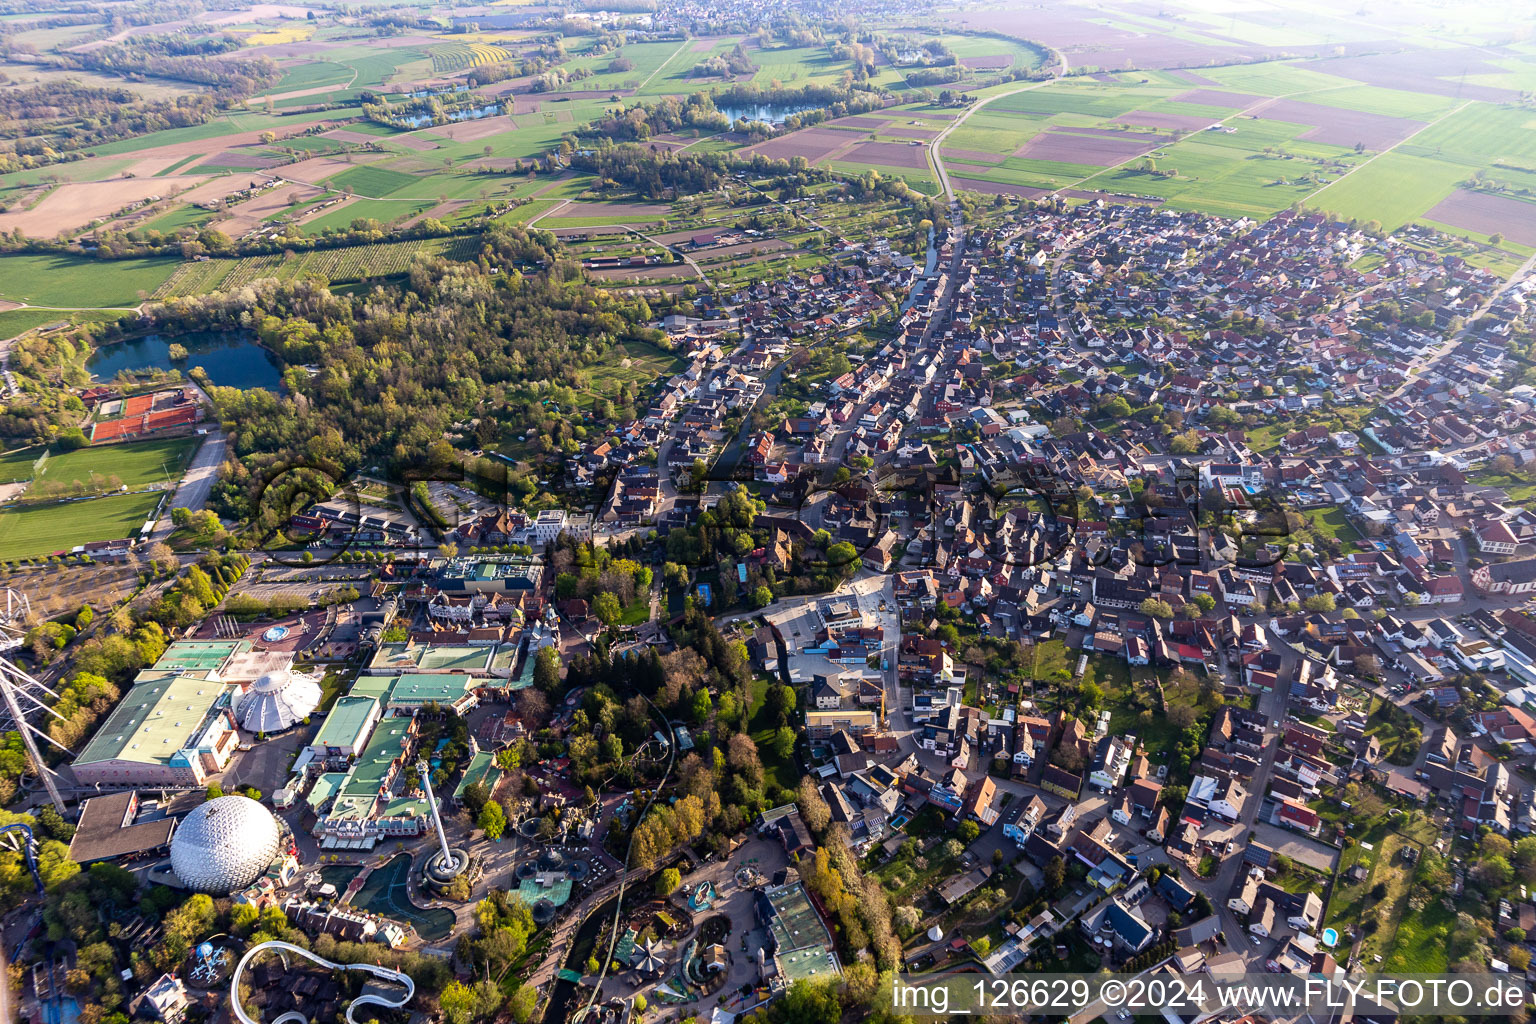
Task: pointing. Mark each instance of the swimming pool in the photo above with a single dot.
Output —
(1330, 937)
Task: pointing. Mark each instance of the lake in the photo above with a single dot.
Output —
(771, 113)
(232, 359)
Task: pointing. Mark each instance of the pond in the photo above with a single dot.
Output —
(772, 113)
(386, 893)
(232, 359)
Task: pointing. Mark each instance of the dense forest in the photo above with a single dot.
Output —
(392, 371)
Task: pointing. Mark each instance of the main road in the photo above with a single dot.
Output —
(196, 482)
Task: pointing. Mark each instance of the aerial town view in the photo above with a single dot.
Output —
(713, 511)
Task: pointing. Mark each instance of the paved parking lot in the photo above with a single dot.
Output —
(1297, 847)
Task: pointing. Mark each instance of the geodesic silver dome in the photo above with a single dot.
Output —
(277, 701)
(224, 845)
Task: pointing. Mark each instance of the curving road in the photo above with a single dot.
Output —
(295, 1017)
(938, 140)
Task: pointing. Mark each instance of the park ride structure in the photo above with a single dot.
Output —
(447, 863)
(18, 836)
(15, 613)
(21, 696)
(295, 1017)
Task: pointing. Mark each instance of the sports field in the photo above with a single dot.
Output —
(45, 529)
(19, 321)
(17, 465)
(134, 464)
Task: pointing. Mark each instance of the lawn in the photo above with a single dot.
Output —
(760, 726)
(1379, 848)
(1333, 523)
(637, 611)
(331, 686)
(1516, 485)
(1421, 941)
(1125, 699)
(135, 464)
(70, 283)
(45, 529)
(633, 363)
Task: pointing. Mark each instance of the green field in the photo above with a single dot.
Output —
(783, 773)
(71, 282)
(135, 464)
(175, 220)
(634, 363)
(649, 60)
(1392, 189)
(19, 321)
(351, 263)
(45, 529)
(372, 182)
(312, 75)
(17, 465)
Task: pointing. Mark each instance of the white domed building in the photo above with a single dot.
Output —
(277, 701)
(225, 845)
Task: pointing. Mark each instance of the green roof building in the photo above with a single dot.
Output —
(482, 769)
(400, 658)
(366, 806)
(804, 945)
(416, 690)
(171, 729)
(205, 656)
(346, 728)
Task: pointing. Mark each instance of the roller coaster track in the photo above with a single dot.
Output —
(294, 1016)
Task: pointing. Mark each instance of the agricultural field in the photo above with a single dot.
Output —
(659, 68)
(1387, 141)
(33, 531)
(450, 57)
